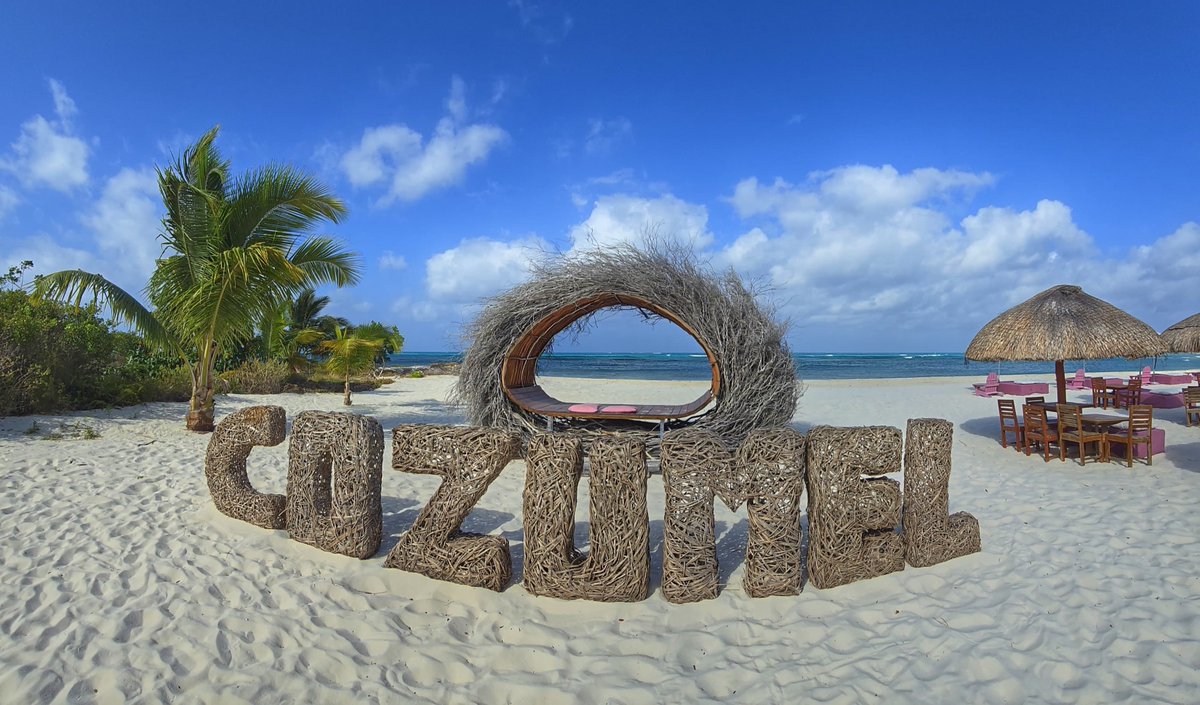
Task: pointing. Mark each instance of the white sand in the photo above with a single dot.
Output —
(120, 583)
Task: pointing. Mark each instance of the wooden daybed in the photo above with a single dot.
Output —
(519, 368)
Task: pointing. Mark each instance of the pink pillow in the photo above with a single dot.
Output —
(618, 409)
(582, 408)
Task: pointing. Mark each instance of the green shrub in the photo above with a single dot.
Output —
(258, 377)
(416, 374)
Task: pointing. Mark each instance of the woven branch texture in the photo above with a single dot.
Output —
(468, 460)
(225, 465)
(767, 473)
(931, 533)
(853, 521)
(758, 386)
(335, 468)
(617, 568)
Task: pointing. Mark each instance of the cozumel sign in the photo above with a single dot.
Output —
(333, 502)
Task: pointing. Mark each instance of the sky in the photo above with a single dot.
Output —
(889, 176)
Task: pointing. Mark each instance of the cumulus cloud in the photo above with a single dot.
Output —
(119, 237)
(47, 152)
(871, 254)
(480, 267)
(125, 222)
(413, 167)
(625, 218)
(393, 261)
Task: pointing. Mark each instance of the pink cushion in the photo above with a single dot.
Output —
(618, 409)
(583, 408)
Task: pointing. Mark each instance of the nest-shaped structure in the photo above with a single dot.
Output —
(754, 377)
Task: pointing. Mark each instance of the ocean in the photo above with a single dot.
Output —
(694, 366)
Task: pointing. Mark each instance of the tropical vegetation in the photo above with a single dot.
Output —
(234, 251)
(348, 353)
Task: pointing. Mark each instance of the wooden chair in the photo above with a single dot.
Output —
(1009, 423)
(1102, 396)
(1038, 430)
(1138, 432)
(1072, 430)
(1191, 404)
(1130, 395)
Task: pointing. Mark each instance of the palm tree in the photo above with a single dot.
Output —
(392, 341)
(350, 355)
(230, 249)
(305, 312)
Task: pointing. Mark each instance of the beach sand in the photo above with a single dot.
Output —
(119, 581)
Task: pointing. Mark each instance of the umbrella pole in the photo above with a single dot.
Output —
(1060, 379)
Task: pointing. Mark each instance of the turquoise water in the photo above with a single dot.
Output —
(694, 366)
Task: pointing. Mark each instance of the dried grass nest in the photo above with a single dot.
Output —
(758, 384)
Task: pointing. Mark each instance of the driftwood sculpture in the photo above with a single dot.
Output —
(768, 474)
(931, 533)
(753, 373)
(468, 460)
(617, 568)
(225, 465)
(335, 467)
(852, 521)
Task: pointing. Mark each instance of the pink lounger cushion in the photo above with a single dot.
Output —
(582, 408)
(618, 409)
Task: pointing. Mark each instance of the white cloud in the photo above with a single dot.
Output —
(603, 135)
(399, 155)
(119, 238)
(391, 260)
(8, 201)
(47, 152)
(126, 221)
(866, 254)
(624, 218)
(480, 267)
(64, 106)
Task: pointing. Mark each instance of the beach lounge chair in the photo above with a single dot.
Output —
(1038, 430)
(1079, 381)
(1009, 423)
(1191, 404)
(1139, 431)
(989, 388)
(1146, 374)
(1072, 430)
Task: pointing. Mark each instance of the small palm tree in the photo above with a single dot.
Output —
(231, 250)
(349, 355)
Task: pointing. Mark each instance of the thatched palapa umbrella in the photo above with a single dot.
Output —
(1184, 336)
(1064, 323)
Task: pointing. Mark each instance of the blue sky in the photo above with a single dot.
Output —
(892, 175)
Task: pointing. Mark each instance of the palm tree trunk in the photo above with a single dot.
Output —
(346, 399)
(200, 408)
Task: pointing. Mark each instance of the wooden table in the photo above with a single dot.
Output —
(1102, 420)
(1052, 407)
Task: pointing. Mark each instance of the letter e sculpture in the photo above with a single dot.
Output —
(852, 521)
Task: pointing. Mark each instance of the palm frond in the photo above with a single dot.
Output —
(71, 286)
(325, 261)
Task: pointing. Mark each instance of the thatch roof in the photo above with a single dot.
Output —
(1064, 323)
(757, 380)
(1184, 336)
